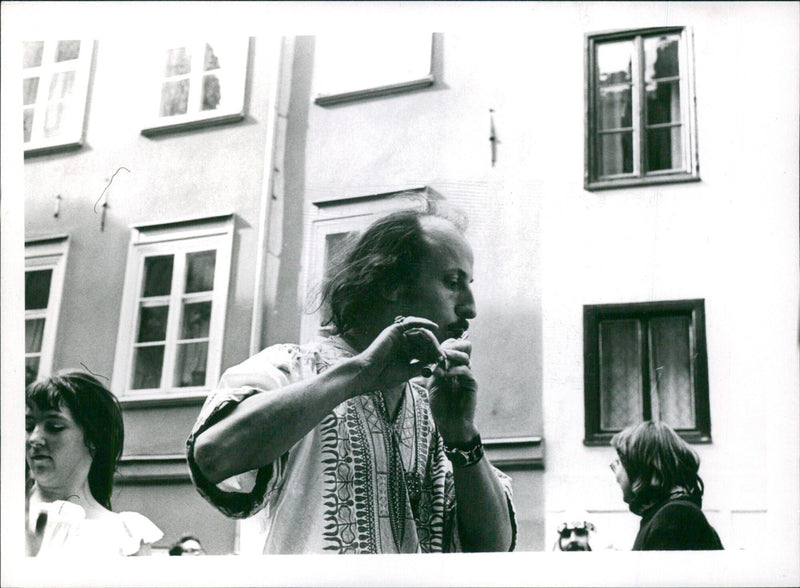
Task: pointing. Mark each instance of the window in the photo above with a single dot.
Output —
(338, 220)
(370, 64)
(646, 361)
(640, 108)
(173, 311)
(55, 81)
(199, 83)
(44, 277)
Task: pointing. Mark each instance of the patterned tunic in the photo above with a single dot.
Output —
(356, 483)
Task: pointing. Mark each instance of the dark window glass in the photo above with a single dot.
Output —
(148, 363)
(152, 323)
(37, 288)
(157, 276)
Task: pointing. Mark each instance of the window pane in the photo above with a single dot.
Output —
(148, 363)
(34, 331)
(30, 87)
(157, 275)
(27, 124)
(616, 153)
(620, 374)
(200, 271)
(614, 62)
(61, 85)
(661, 57)
(664, 149)
(67, 50)
(31, 369)
(174, 98)
(37, 289)
(55, 118)
(196, 319)
(614, 108)
(211, 92)
(32, 53)
(179, 62)
(152, 323)
(190, 369)
(671, 372)
(663, 102)
(211, 60)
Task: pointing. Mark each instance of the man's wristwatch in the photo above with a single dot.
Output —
(462, 455)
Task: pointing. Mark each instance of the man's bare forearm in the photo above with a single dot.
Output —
(266, 425)
(484, 521)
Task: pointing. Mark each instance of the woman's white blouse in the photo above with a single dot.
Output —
(69, 532)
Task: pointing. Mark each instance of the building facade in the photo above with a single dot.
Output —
(635, 251)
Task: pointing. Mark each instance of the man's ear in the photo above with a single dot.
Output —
(392, 291)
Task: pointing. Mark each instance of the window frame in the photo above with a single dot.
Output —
(690, 171)
(173, 238)
(154, 124)
(47, 253)
(71, 136)
(594, 314)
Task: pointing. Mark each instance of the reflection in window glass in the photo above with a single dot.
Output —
(148, 363)
(211, 60)
(30, 87)
(620, 373)
(191, 365)
(174, 98)
(211, 92)
(54, 118)
(153, 323)
(200, 271)
(34, 334)
(27, 125)
(196, 320)
(617, 154)
(670, 371)
(37, 288)
(31, 369)
(661, 57)
(157, 275)
(614, 63)
(179, 62)
(61, 85)
(664, 149)
(614, 108)
(32, 53)
(68, 50)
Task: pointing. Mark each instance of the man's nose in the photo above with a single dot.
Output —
(466, 305)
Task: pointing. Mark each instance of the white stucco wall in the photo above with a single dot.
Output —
(730, 239)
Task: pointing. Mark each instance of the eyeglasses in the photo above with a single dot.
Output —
(615, 465)
(583, 526)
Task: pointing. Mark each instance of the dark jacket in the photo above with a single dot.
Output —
(676, 524)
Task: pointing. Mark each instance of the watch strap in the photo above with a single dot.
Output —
(463, 455)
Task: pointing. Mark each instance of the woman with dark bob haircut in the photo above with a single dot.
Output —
(658, 474)
(74, 439)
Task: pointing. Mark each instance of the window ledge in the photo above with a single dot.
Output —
(693, 437)
(333, 99)
(49, 149)
(636, 182)
(516, 452)
(163, 399)
(190, 125)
